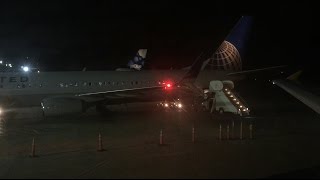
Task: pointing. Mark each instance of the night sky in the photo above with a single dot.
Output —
(103, 35)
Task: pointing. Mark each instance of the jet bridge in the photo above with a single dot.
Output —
(222, 98)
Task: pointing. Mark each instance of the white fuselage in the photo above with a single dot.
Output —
(28, 89)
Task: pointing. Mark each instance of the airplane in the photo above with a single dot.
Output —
(75, 91)
(290, 86)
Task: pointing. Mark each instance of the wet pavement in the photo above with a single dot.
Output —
(283, 143)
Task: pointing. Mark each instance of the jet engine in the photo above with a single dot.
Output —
(62, 105)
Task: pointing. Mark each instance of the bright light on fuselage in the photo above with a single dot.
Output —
(180, 105)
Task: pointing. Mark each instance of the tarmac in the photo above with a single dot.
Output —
(284, 142)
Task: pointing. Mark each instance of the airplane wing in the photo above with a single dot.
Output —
(255, 70)
(299, 93)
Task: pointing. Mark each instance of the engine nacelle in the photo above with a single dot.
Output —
(61, 106)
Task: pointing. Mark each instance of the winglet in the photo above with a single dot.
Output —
(295, 76)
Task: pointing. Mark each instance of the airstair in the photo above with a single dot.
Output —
(225, 99)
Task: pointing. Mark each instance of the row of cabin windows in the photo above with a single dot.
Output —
(122, 83)
(88, 84)
(19, 86)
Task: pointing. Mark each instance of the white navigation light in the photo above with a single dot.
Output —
(25, 68)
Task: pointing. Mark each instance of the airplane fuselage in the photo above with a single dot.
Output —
(28, 89)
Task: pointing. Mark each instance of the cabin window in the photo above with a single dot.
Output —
(100, 83)
(23, 85)
(18, 86)
(136, 82)
(61, 84)
(84, 83)
(1, 86)
(89, 83)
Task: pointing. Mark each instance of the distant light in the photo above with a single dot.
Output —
(180, 105)
(0, 111)
(10, 65)
(25, 68)
(273, 82)
(166, 104)
(0, 62)
(38, 71)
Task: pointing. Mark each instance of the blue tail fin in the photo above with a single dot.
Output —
(228, 55)
(138, 60)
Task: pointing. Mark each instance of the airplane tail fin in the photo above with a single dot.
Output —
(295, 76)
(226, 55)
(230, 53)
(138, 60)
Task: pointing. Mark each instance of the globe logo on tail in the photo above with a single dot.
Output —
(227, 57)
